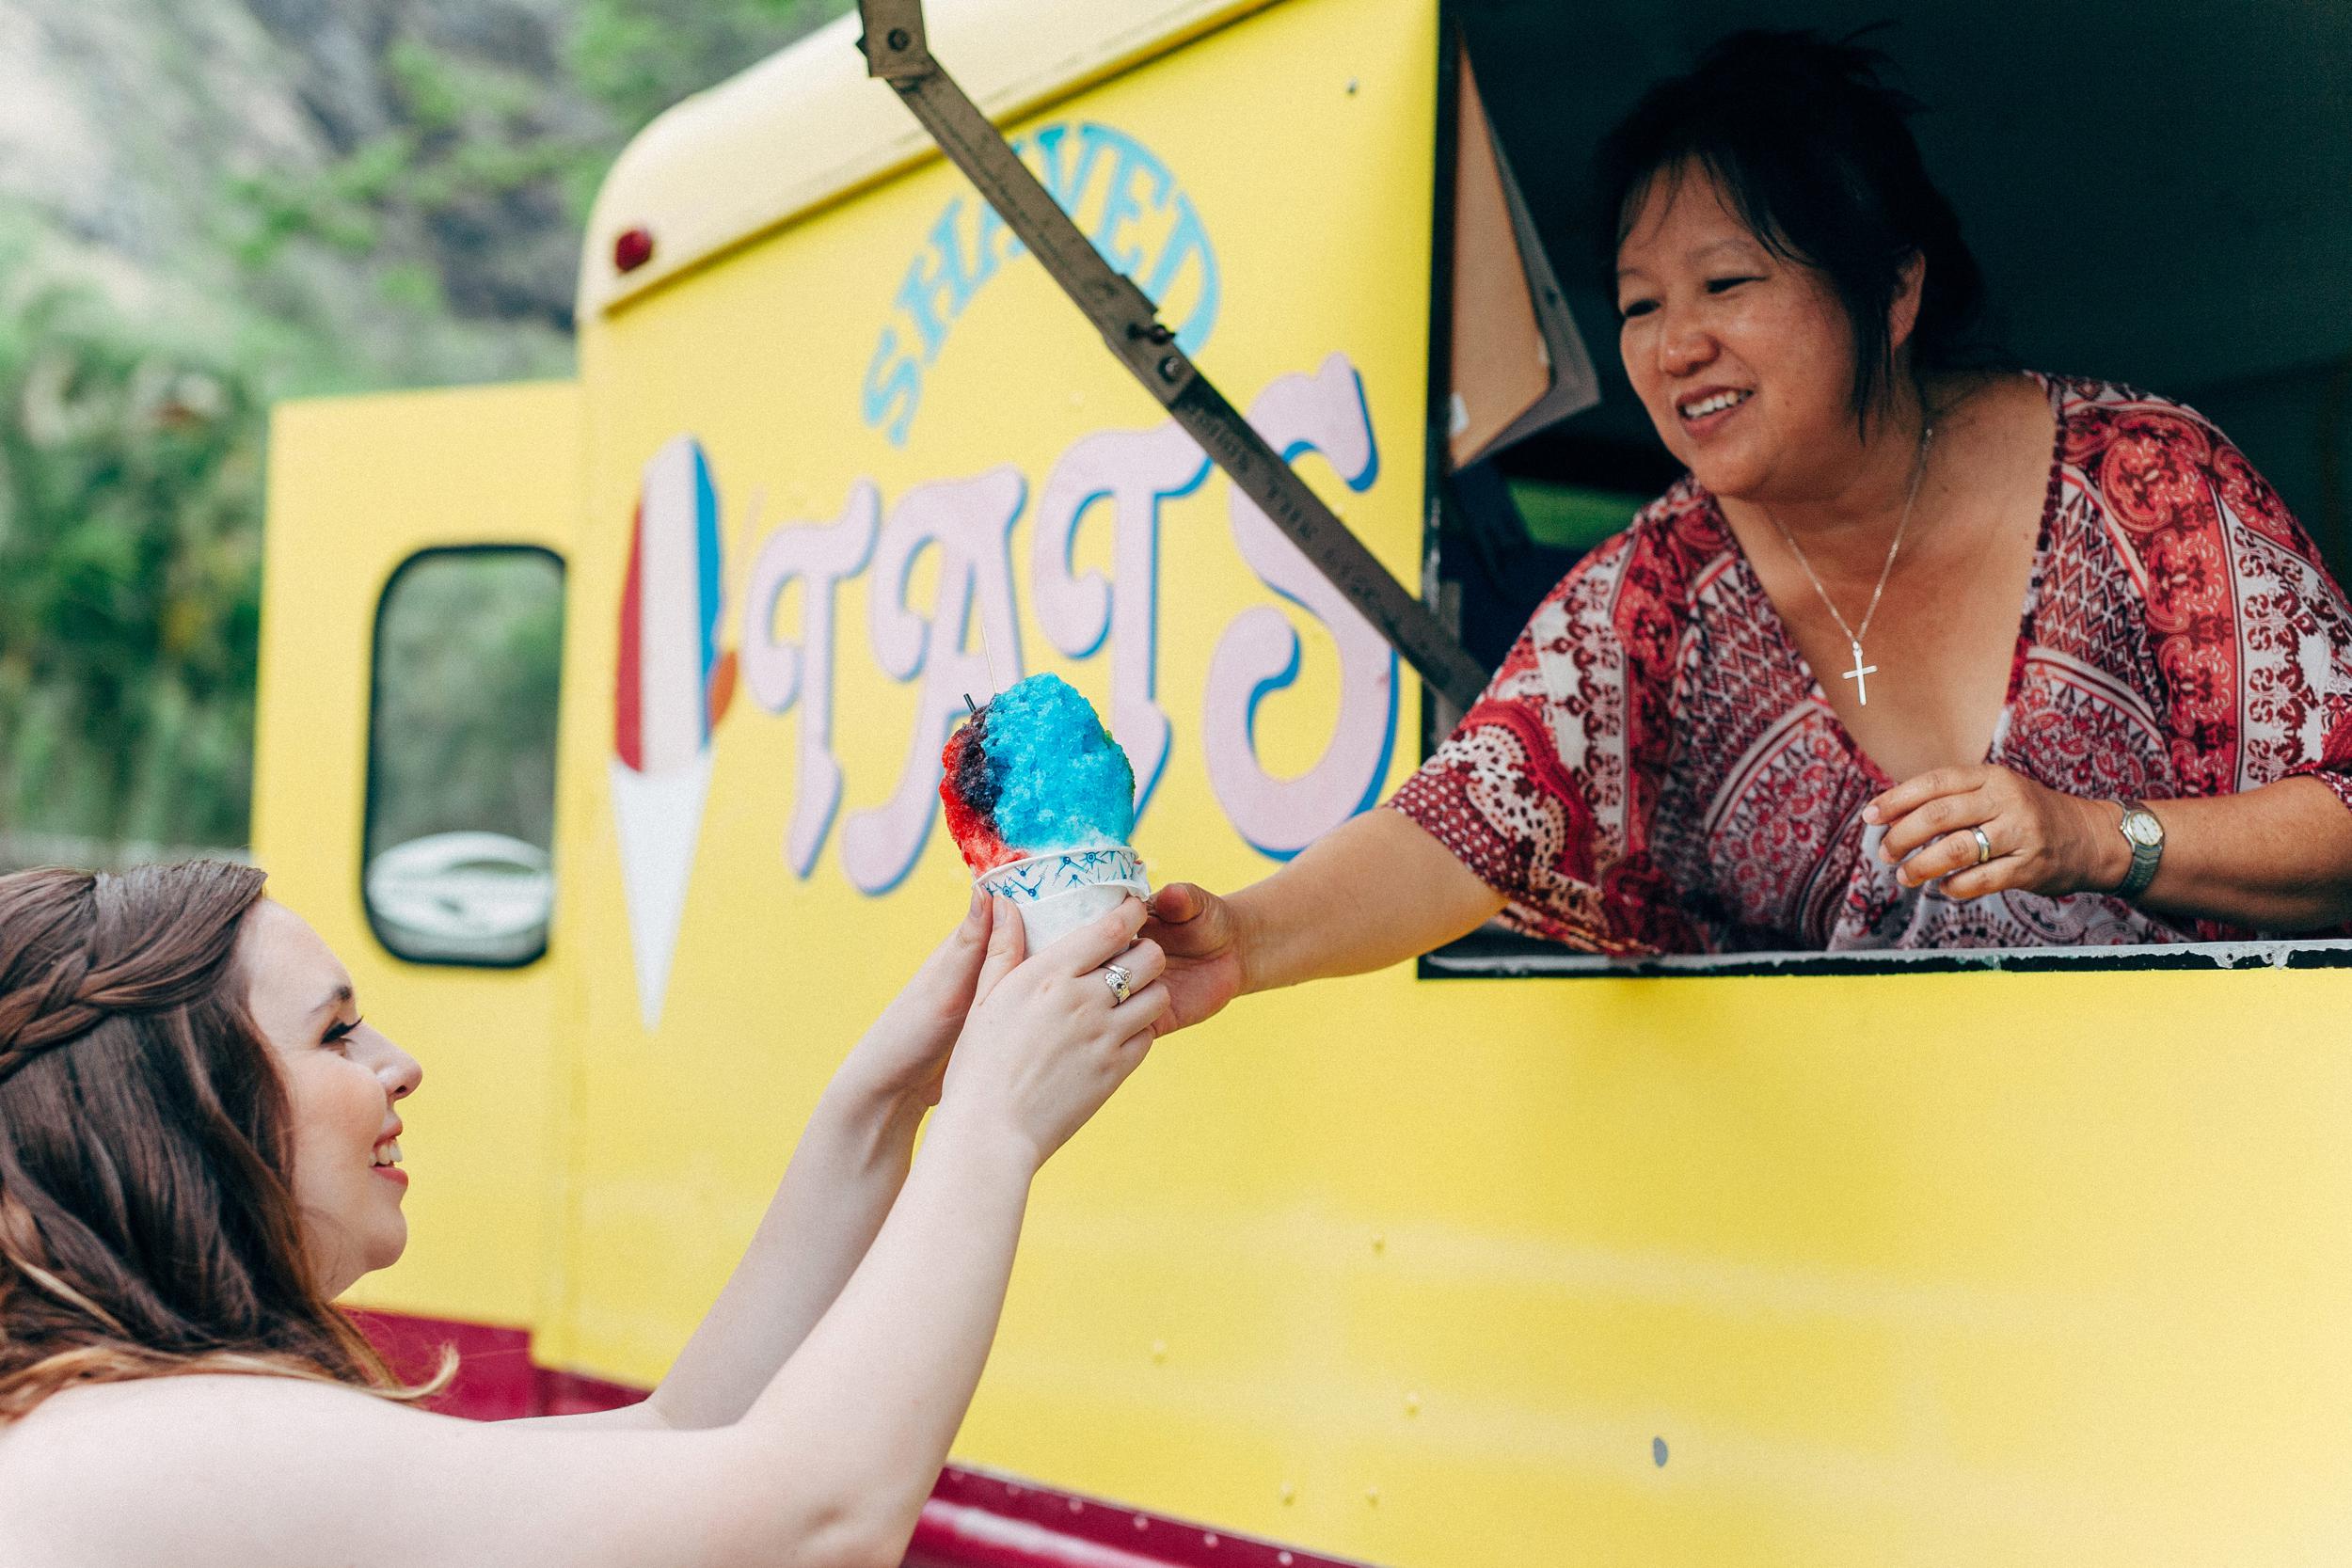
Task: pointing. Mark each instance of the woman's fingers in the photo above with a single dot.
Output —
(1912, 793)
(1946, 813)
(1144, 962)
(2032, 846)
(1976, 881)
(1952, 852)
(1176, 903)
(1132, 1018)
(1008, 944)
(966, 946)
(1192, 922)
(1096, 942)
(938, 992)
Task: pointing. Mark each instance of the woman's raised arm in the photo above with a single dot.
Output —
(828, 1468)
(846, 1171)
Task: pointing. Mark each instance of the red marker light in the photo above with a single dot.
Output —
(633, 249)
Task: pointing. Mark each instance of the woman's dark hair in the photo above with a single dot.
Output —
(1814, 153)
(148, 1222)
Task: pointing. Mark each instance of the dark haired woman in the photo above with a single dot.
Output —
(198, 1148)
(1796, 704)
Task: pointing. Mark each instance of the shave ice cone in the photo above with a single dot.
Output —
(669, 691)
(1042, 801)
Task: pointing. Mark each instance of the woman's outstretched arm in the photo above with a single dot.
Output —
(828, 1468)
(845, 1173)
(1375, 891)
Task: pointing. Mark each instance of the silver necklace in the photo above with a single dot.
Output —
(1861, 672)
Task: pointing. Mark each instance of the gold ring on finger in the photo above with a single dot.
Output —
(1984, 845)
(1121, 983)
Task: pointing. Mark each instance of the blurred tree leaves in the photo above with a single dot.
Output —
(130, 506)
(639, 56)
(471, 202)
(131, 457)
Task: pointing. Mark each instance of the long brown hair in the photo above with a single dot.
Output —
(148, 1225)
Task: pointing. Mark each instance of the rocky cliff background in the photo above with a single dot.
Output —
(206, 205)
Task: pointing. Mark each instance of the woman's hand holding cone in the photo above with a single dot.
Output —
(1047, 1041)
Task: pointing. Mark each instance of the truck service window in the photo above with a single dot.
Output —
(461, 756)
(1541, 450)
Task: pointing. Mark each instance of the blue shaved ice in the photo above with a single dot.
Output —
(1061, 781)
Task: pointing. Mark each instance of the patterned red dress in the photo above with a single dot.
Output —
(1654, 769)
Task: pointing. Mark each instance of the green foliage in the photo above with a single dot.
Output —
(439, 249)
(130, 500)
(476, 141)
(476, 147)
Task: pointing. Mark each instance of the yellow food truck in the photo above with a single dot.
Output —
(599, 732)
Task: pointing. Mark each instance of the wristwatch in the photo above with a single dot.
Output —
(2145, 835)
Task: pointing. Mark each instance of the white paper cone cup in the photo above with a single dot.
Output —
(1059, 893)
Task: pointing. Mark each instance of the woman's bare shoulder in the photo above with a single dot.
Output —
(1993, 407)
(249, 1472)
(93, 1475)
(147, 1411)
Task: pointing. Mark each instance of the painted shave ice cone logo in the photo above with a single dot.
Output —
(671, 688)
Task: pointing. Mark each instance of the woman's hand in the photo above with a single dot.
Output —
(1197, 931)
(903, 1058)
(2041, 841)
(1048, 1041)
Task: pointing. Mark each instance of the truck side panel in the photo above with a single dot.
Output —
(359, 487)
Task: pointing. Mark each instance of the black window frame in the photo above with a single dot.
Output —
(371, 774)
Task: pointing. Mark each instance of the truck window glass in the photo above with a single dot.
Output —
(461, 756)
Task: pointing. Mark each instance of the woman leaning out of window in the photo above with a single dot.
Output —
(1919, 652)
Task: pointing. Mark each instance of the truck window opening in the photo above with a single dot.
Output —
(2200, 287)
(457, 868)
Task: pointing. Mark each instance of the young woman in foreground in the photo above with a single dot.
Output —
(199, 1151)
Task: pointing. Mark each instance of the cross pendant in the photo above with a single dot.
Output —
(1861, 687)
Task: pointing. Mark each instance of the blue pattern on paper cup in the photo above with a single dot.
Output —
(1042, 877)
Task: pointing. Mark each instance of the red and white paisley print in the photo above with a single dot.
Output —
(1654, 771)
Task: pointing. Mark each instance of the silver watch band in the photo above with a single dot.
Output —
(2145, 856)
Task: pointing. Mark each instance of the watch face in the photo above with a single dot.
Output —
(2143, 827)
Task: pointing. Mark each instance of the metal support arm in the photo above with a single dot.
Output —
(898, 51)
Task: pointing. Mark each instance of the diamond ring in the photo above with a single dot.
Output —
(1121, 983)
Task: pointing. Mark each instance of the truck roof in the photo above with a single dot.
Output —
(806, 126)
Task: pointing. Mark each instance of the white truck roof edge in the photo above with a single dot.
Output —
(808, 126)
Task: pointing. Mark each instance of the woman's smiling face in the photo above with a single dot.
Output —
(1742, 358)
(341, 1080)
